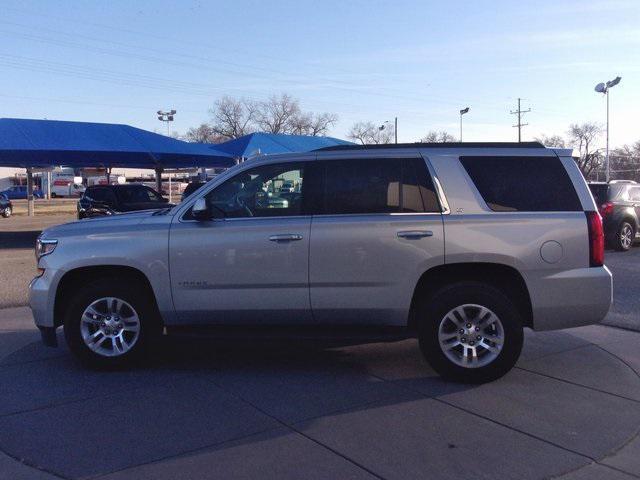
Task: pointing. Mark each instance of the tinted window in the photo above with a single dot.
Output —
(101, 195)
(522, 184)
(360, 186)
(137, 194)
(599, 192)
(266, 191)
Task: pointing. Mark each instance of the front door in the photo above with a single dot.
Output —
(249, 264)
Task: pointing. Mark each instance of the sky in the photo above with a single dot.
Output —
(422, 61)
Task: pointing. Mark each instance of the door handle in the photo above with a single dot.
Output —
(286, 237)
(415, 234)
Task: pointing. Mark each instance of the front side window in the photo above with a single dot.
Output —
(634, 194)
(523, 184)
(266, 191)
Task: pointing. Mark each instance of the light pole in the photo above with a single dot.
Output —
(462, 112)
(395, 128)
(604, 89)
(168, 118)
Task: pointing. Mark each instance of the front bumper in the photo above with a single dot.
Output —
(570, 298)
(42, 292)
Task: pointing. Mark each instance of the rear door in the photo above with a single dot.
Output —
(634, 198)
(377, 229)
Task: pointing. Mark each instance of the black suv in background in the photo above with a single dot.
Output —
(619, 205)
(101, 200)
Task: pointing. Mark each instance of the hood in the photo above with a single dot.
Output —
(89, 225)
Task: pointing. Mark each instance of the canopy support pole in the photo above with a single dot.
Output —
(30, 191)
(159, 180)
(108, 175)
(49, 185)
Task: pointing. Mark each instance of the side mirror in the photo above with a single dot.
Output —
(200, 210)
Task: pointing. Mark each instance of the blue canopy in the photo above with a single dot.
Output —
(44, 143)
(271, 143)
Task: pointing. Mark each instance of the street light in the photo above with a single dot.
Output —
(395, 128)
(604, 89)
(168, 118)
(462, 112)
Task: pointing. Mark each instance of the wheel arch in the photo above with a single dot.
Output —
(82, 275)
(503, 277)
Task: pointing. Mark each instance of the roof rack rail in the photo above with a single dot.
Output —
(434, 145)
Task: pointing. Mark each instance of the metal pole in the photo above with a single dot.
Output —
(608, 172)
(461, 126)
(30, 192)
(170, 197)
(49, 185)
(519, 123)
(395, 129)
(159, 180)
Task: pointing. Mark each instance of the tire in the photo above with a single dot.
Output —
(624, 237)
(131, 346)
(441, 320)
(54, 194)
(6, 212)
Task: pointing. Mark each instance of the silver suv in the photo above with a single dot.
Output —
(459, 245)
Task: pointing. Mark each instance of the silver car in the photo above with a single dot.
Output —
(459, 245)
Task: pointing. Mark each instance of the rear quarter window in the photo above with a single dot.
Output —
(522, 184)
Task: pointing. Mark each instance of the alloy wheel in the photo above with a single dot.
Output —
(471, 336)
(110, 327)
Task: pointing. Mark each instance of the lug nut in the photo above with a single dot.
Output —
(461, 331)
(472, 343)
(464, 339)
(477, 329)
(478, 338)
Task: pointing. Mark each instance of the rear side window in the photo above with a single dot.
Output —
(634, 194)
(600, 192)
(380, 185)
(523, 184)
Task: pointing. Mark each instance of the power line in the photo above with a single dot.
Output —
(519, 125)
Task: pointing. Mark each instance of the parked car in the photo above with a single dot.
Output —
(619, 205)
(102, 200)
(190, 188)
(6, 207)
(19, 192)
(455, 244)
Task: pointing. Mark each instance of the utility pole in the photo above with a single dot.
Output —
(395, 129)
(519, 112)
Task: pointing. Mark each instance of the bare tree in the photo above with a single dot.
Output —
(233, 118)
(584, 138)
(277, 115)
(314, 125)
(368, 133)
(625, 162)
(551, 141)
(203, 134)
(438, 137)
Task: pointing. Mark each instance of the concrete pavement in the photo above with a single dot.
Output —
(570, 409)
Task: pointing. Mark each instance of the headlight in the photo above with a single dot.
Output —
(44, 246)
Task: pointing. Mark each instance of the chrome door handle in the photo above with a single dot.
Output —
(286, 237)
(415, 234)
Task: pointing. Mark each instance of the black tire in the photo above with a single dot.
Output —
(621, 244)
(432, 310)
(6, 212)
(54, 195)
(130, 292)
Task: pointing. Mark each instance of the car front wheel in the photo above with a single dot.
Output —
(107, 324)
(6, 212)
(470, 332)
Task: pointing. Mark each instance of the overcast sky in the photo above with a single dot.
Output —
(120, 61)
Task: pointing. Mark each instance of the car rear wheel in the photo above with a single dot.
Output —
(625, 237)
(6, 212)
(109, 324)
(470, 332)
